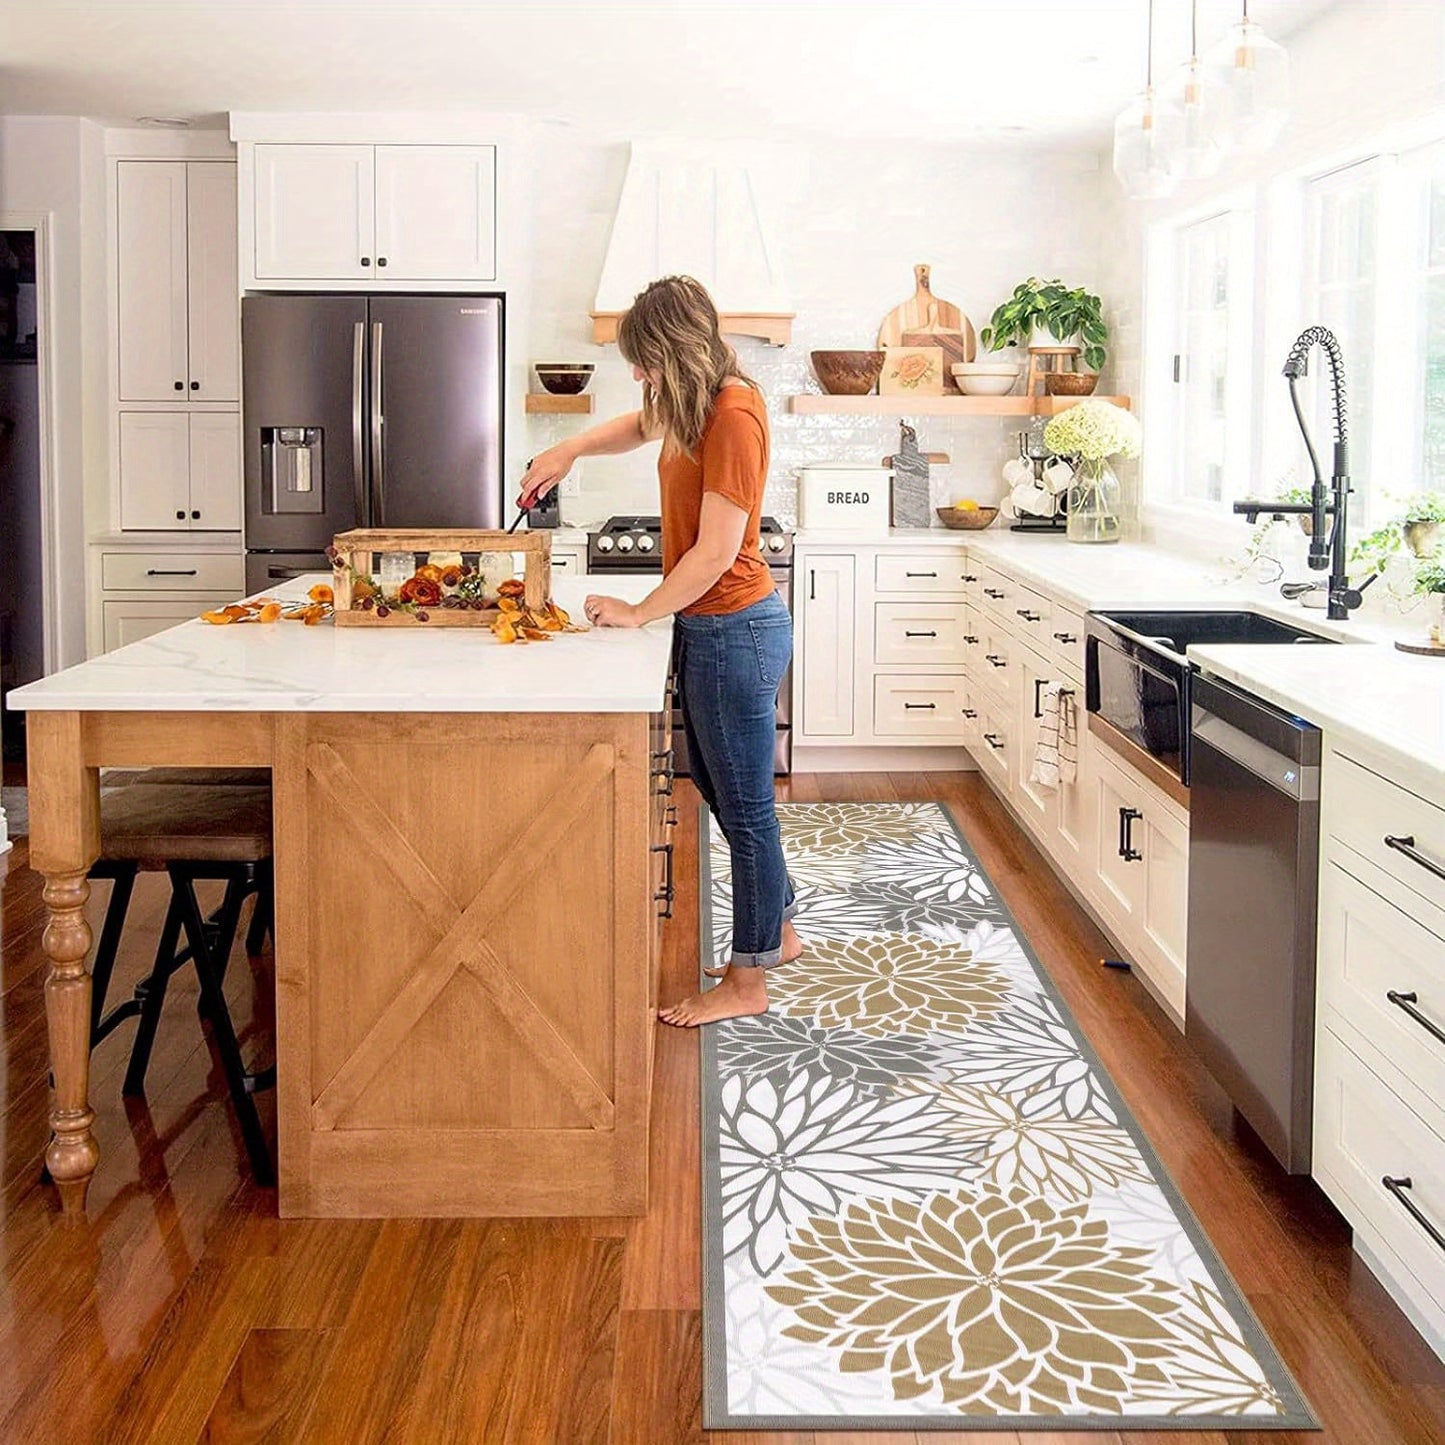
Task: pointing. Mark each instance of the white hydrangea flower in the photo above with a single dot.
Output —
(1094, 430)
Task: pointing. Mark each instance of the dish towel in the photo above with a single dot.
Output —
(1056, 753)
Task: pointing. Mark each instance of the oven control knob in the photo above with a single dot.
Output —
(604, 544)
(624, 543)
(776, 544)
(645, 543)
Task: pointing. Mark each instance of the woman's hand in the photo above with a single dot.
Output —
(612, 612)
(544, 471)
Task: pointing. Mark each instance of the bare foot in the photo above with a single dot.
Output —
(742, 994)
(792, 947)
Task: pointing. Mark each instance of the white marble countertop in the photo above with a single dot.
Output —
(288, 667)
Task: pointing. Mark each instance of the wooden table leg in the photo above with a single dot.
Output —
(64, 842)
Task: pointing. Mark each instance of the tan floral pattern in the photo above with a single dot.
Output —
(1063, 1157)
(890, 983)
(1000, 1302)
(926, 1202)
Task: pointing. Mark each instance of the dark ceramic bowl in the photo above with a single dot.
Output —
(565, 378)
(847, 373)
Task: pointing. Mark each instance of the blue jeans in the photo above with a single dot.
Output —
(728, 668)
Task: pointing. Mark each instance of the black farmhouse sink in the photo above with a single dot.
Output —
(1138, 679)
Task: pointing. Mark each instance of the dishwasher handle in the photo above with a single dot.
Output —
(1297, 780)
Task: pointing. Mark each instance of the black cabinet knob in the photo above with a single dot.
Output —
(195, 516)
(381, 260)
(180, 516)
(195, 386)
(366, 260)
(180, 386)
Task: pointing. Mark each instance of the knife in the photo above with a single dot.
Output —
(521, 510)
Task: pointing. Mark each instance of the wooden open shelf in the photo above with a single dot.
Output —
(545, 402)
(774, 327)
(814, 404)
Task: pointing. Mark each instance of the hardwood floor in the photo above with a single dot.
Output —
(184, 1310)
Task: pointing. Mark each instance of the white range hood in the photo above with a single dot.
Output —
(681, 215)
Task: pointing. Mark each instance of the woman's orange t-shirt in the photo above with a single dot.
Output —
(731, 460)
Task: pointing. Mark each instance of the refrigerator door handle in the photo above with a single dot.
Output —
(378, 450)
(358, 439)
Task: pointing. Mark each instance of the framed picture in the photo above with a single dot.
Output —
(911, 371)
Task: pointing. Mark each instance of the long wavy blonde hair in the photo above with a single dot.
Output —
(671, 331)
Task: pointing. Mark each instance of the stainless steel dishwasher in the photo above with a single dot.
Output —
(1254, 832)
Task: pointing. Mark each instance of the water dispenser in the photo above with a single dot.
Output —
(291, 469)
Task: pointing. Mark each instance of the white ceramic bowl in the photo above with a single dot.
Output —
(984, 368)
(989, 384)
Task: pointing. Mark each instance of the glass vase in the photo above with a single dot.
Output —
(1093, 503)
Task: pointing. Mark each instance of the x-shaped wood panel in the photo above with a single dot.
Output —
(462, 941)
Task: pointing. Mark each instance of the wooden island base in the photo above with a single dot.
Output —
(467, 941)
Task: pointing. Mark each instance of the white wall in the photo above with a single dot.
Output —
(51, 164)
(1360, 71)
(850, 220)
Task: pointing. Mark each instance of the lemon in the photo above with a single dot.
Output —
(967, 505)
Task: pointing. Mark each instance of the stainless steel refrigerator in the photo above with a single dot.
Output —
(366, 411)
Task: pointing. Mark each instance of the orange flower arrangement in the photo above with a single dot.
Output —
(424, 591)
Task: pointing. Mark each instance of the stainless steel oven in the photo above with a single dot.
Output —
(634, 544)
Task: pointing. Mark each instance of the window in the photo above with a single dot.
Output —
(1210, 282)
(1342, 213)
(1429, 423)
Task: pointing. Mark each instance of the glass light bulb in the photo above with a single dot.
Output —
(1254, 74)
(1146, 136)
(1195, 95)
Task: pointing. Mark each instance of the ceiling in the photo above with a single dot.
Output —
(1040, 70)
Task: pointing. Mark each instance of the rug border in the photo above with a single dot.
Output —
(715, 1414)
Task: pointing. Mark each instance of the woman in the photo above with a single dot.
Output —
(734, 633)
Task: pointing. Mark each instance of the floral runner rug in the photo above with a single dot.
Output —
(926, 1205)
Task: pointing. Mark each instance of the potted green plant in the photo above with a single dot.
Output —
(1420, 522)
(1048, 313)
(1430, 584)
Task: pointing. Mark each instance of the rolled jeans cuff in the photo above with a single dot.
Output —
(790, 912)
(770, 959)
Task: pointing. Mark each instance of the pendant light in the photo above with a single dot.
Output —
(1254, 74)
(1198, 97)
(1146, 135)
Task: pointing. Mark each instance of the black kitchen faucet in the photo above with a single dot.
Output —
(1332, 501)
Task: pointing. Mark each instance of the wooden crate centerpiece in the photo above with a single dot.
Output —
(441, 593)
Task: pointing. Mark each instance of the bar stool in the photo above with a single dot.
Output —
(195, 832)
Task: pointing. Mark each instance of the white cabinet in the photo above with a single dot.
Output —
(130, 621)
(376, 213)
(1140, 870)
(176, 304)
(826, 646)
(180, 471)
(155, 471)
(215, 449)
(923, 709)
(1039, 805)
(436, 212)
(315, 212)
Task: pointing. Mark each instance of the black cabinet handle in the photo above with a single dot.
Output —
(812, 585)
(1397, 1187)
(1407, 1001)
(923, 706)
(169, 572)
(996, 660)
(967, 577)
(366, 260)
(1040, 683)
(180, 386)
(970, 639)
(1127, 850)
(920, 574)
(195, 386)
(1407, 846)
(1027, 615)
(968, 712)
(195, 516)
(667, 892)
(906, 633)
(992, 740)
(180, 516)
(994, 593)
(666, 772)
(1065, 637)
(381, 260)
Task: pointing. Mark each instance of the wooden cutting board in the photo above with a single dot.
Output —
(923, 311)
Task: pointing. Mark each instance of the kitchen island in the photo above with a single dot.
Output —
(471, 867)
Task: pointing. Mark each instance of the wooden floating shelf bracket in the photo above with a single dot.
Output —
(547, 404)
(773, 327)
